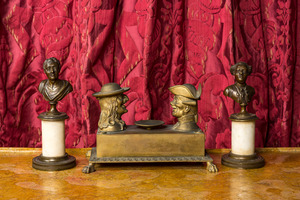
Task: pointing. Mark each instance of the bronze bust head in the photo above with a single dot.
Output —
(240, 92)
(112, 100)
(185, 107)
(53, 89)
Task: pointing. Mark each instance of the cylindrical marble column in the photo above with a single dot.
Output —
(53, 138)
(53, 157)
(243, 137)
(242, 153)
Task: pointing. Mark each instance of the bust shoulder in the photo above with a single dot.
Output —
(229, 90)
(250, 90)
(63, 87)
(42, 85)
(55, 92)
(67, 85)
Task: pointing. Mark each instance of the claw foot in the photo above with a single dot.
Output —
(211, 167)
(88, 154)
(88, 169)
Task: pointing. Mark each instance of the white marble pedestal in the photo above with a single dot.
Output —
(53, 138)
(53, 157)
(243, 137)
(242, 153)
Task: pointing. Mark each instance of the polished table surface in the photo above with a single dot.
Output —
(279, 179)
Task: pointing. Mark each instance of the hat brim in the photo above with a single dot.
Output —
(190, 103)
(111, 93)
(183, 91)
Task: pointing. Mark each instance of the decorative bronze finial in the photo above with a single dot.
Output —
(240, 92)
(185, 107)
(53, 89)
(112, 100)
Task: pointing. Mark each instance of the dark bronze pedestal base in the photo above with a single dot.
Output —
(243, 162)
(53, 163)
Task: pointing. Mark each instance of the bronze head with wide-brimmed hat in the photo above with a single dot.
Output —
(185, 107)
(112, 102)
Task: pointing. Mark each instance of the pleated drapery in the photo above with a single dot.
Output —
(150, 45)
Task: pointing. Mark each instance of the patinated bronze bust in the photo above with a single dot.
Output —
(53, 89)
(53, 157)
(185, 107)
(112, 100)
(240, 92)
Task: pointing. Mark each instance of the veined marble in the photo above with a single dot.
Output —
(279, 179)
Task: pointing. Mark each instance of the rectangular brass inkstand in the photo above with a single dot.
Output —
(149, 140)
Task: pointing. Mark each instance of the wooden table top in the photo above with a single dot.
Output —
(279, 179)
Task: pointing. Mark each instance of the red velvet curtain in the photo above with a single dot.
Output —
(150, 45)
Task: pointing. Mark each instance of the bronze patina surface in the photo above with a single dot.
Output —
(136, 141)
(185, 107)
(53, 89)
(94, 159)
(243, 117)
(149, 124)
(53, 163)
(182, 142)
(240, 92)
(112, 100)
(243, 162)
(136, 144)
